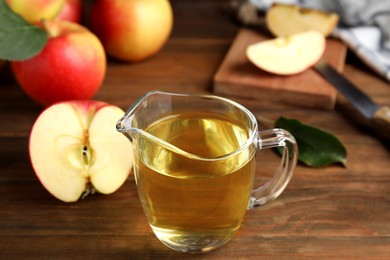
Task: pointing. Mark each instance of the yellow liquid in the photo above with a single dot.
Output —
(194, 205)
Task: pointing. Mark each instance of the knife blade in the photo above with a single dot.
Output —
(378, 116)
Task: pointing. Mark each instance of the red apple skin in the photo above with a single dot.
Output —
(34, 11)
(86, 106)
(71, 11)
(132, 30)
(72, 65)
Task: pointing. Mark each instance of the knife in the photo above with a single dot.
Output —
(377, 116)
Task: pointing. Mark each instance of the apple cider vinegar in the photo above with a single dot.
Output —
(195, 185)
(194, 165)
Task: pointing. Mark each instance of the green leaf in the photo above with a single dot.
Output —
(317, 148)
(19, 40)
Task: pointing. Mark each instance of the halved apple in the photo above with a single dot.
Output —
(287, 55)
(286, 19)
(75, 149)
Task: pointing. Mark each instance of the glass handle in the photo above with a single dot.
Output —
(273, 188)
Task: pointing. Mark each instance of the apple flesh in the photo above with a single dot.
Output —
(285, 20)
(34, 11)
(287, 55)
(75, 149)
(132, 30)
(71, 11)
(72, 65)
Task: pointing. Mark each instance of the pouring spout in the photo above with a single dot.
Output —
(145, 110)
(120, 125)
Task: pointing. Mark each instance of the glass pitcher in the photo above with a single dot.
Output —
(194, 166)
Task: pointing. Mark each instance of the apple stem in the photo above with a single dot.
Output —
(89, 189)
(52, 31)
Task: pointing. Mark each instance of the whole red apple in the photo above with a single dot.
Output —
(75, 149)
(71, 11)
(132, 30)
(34, 11)
(72, 65)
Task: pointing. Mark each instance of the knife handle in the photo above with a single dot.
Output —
(381, 121)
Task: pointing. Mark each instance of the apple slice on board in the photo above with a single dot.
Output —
(288, 55)
(286, 19)
(75, 149)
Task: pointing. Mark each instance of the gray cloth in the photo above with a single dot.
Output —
(364, 26)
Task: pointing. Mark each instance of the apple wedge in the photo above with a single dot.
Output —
(284, 20)
(287, 55)
(75, 149)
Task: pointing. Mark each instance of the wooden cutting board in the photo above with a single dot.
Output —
(237, 76)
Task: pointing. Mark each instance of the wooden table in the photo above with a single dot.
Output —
(324, 213)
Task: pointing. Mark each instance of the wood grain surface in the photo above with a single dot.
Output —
(327, 213)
